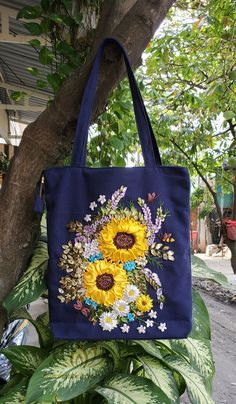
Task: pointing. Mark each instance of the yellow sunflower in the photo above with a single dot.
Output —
(123, 240)
(144, 303)
(105, 282)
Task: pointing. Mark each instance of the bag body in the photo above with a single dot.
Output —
(118, 239)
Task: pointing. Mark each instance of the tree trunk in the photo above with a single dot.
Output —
(46, 140)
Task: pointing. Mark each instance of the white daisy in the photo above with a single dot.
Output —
(93, 205)
(131, 293)
(108, 321)
(162, 327)
(121, 307)
(125, 328)
(141, 329)
(87, 218)
(102, 199)
(152, 314)
(149, 323)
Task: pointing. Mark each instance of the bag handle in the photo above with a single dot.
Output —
(147, 139)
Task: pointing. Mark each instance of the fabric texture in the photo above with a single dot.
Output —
(118, 239)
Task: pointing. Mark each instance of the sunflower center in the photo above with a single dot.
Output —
(124, 240)
(105, 281)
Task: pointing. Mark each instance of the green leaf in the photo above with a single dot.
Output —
(150, 348)
(68, 372)
(33, 70)
(55, 80)
(116, 143)
(228, 115)
(45, 4)
(201, 270)
(161, 375)
(199, 354)
(41, 84)
(194, 381)
(123, 389)
(35, 43)
(32, 284)
(16, 393)
(46, 56)
(120, 161)
(34, 28)
(201, 322)
(41, 325)
(24, 358)
(17, 95)
(113, 348)
(232, 75)
(29, 12)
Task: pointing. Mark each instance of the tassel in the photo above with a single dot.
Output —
(39, 198)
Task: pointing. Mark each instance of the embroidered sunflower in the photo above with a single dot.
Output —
(123, 240)
(144, 303)
(105, 282)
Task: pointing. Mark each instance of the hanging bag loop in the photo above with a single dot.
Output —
(147, 139)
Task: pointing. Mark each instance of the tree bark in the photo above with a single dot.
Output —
(46, 140)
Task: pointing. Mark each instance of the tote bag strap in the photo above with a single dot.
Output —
(147, 139)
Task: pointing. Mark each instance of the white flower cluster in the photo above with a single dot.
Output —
(90, 248)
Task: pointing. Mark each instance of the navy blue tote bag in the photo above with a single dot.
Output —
(118, 239)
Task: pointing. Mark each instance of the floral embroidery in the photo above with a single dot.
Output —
(107, 266)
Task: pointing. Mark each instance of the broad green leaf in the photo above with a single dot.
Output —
(24, 358)
(46, 56)
(41, 325)
(34, 28)
(17, 95)
(201, 322)
(116, 143)
(150, 348)
(229, 115)
(198, 353)
(123, 389)
(33, 70)
(68, 372)
(113, 348)
(29, 12)
(41, 83)
(32, 284)
(35, 43)
(197, 391)
(16, 393)
(232, 75)
(201, 270)
(161, 375)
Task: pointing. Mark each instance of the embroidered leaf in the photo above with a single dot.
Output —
(161, 376)
(201, 270)
(32, 284)
(132, 389)
(198, 353)
(25, 358)
(136, 277)
(68, 372)
(194, 381)
(14, 393)
(201, 323)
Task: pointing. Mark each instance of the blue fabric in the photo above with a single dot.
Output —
(70, 190)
